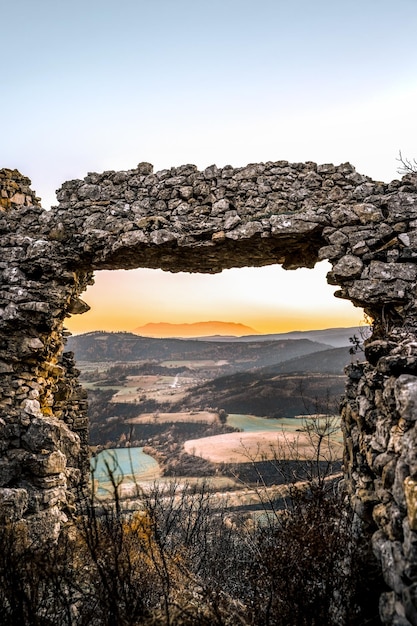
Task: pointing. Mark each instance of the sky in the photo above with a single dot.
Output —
(92, 85)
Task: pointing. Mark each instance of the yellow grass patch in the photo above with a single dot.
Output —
(259, 446)
(196, 364)
(168, 418)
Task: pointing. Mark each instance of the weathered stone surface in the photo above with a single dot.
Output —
(13, 504)
(410, 488)
(410, 604)
(406, 396)
(349, 266)
(45, 433)
(46, 463)
(183, 219)
(390, 554)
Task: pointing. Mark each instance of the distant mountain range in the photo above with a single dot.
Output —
(229, 331)
(336, 337)
(196, 329)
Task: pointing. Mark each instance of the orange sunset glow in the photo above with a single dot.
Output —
(267, 299)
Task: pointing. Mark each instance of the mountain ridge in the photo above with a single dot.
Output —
(160, 330)
(336, 337)
(106, 346)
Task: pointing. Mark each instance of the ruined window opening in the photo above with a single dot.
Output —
(133, 395)
(269, 299)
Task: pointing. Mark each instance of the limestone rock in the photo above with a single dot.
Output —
(406, 396)
(348, 266)
(410, 487)
(13, 504)
(49, 434)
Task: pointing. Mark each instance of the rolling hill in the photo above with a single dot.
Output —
(125, 347)
(335, 337)
(308, 384)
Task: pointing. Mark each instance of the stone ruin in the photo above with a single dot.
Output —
(183, 219)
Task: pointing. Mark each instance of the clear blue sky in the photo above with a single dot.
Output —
(104, 84)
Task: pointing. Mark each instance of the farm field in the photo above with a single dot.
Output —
(146, 477)
(195, 364)
(227, 492)
(162, 389)
(258, 446)
(264, 439)
(172, 418)
(224, 495)
(252, 423)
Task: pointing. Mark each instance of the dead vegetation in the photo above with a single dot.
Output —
(185, 560)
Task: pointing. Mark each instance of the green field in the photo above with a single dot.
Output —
(251, 423)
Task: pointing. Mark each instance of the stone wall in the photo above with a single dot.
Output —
(15, 190)
(186, 220)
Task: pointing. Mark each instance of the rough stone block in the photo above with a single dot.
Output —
(13, 504)
(406, 396)
(410, 489)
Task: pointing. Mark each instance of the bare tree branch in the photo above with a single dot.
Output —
(407, 166)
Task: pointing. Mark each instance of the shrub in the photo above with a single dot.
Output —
(181, 557)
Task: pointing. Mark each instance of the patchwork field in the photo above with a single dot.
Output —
(162, 389)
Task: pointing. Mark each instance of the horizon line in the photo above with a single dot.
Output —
(257, 333)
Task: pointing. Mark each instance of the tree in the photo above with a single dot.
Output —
(222, 416)
(407, 166)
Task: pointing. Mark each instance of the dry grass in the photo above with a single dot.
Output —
(256, 446)
(219, 486)
(195, 364)
(128, 486)
(206, 417)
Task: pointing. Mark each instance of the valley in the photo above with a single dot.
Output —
(230, 413)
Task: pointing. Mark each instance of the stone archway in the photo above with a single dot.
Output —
(185, 220)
